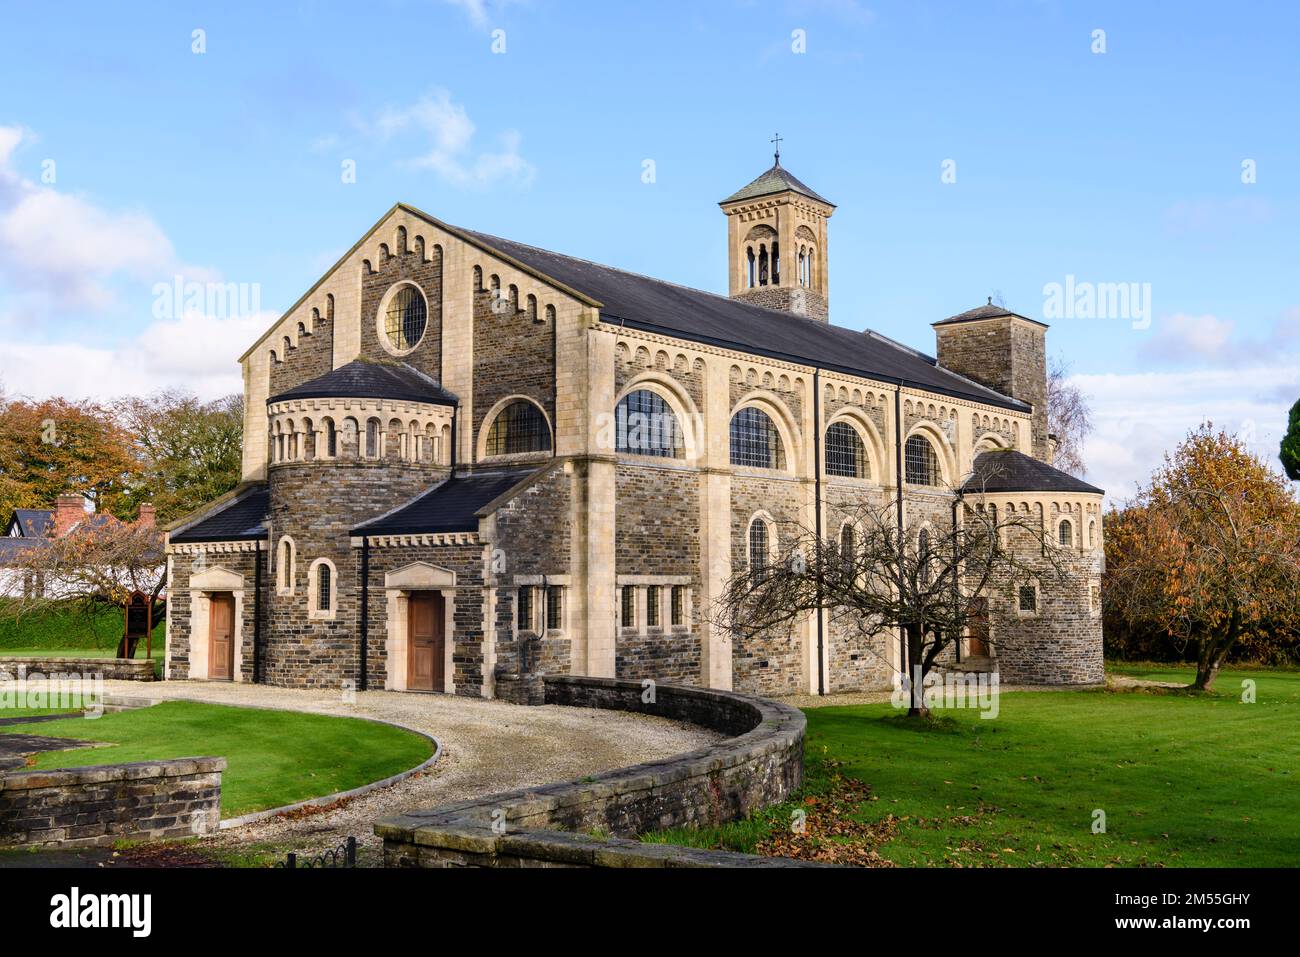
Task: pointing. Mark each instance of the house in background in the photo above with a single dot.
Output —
(35, 528)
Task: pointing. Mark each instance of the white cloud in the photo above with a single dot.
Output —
(197, 353)
(1140, 416)
(1211, 340)
(1184, 336)
(448, 149)
(64, 249)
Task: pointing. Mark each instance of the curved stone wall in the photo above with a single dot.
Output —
(760, 763)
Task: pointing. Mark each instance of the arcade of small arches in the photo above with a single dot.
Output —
(763, 257)
(1068, 525)
(334, 430)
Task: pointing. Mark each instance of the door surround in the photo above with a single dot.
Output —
(398, 587)
(202, 587)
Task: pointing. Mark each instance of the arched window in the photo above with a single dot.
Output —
(331, 438)
(372, 438)
(284, 562)
(776, 263)
(848, 547)
(478, 278)
(646, 425)
(519, 427)
(405, 318)
(758, 547)
(1092, 534)
(532, 307)
(762, 265)
(921, 464)
(350, 432)
(749, 267)
(845, 454)
(755, 443)
(1065, 533)
(322, 589)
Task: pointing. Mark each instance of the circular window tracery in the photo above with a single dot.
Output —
(405, 318)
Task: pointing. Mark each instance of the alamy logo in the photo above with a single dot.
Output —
(74, 910)
(1098, 300)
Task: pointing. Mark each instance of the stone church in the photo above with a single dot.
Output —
(469, 462)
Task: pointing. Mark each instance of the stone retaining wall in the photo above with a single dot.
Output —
(760, 763)
(121, 669)
(105, 803)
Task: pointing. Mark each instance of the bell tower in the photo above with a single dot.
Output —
(776, 243)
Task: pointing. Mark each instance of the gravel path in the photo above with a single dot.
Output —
(487, 746)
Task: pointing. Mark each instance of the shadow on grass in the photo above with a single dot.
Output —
(940, 724)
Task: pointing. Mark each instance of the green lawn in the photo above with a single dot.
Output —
(275, 757)
(71, 632)
(1184, 780)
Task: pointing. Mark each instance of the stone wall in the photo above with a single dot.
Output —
(121, 669)
(111, 802)
(316, 504)
(467, 561)
(514, 354)
(182, 567)
(1061, 643)
(760, 764)
(420, 266)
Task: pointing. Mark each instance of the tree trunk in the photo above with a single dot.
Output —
(1213, 653)
(916, 672)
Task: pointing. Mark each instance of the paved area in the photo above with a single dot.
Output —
(488, 746)
(15, 748)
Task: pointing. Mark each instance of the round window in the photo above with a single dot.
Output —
(405, 319)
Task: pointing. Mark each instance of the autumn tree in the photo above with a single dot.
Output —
(874, 577)
(1069, 418)
(1209, 551)
(1290, 453)
(57, 445)
(188, 452)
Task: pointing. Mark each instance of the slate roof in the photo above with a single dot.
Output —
(639, 302)
(11, 546)
(240, 519)
(366, 379)
(987, 311)
(449, 506)
(33, 522)
(775, 180)
(1006, 470)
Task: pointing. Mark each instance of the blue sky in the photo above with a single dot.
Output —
(1117, 166)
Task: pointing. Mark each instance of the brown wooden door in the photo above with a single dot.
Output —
(221, 638)
(978, 643)
(425, 669)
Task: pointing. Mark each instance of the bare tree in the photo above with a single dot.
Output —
(931, 585)
(101, 561)
(1069, 418)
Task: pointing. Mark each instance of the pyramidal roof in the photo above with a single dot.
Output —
(775, 180)
(987, 311)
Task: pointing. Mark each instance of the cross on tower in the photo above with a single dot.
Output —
(777, 141)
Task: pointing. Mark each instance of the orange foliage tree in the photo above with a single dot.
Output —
(1209, 552)
(55, 446)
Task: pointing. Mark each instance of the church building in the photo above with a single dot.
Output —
(469, 462)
